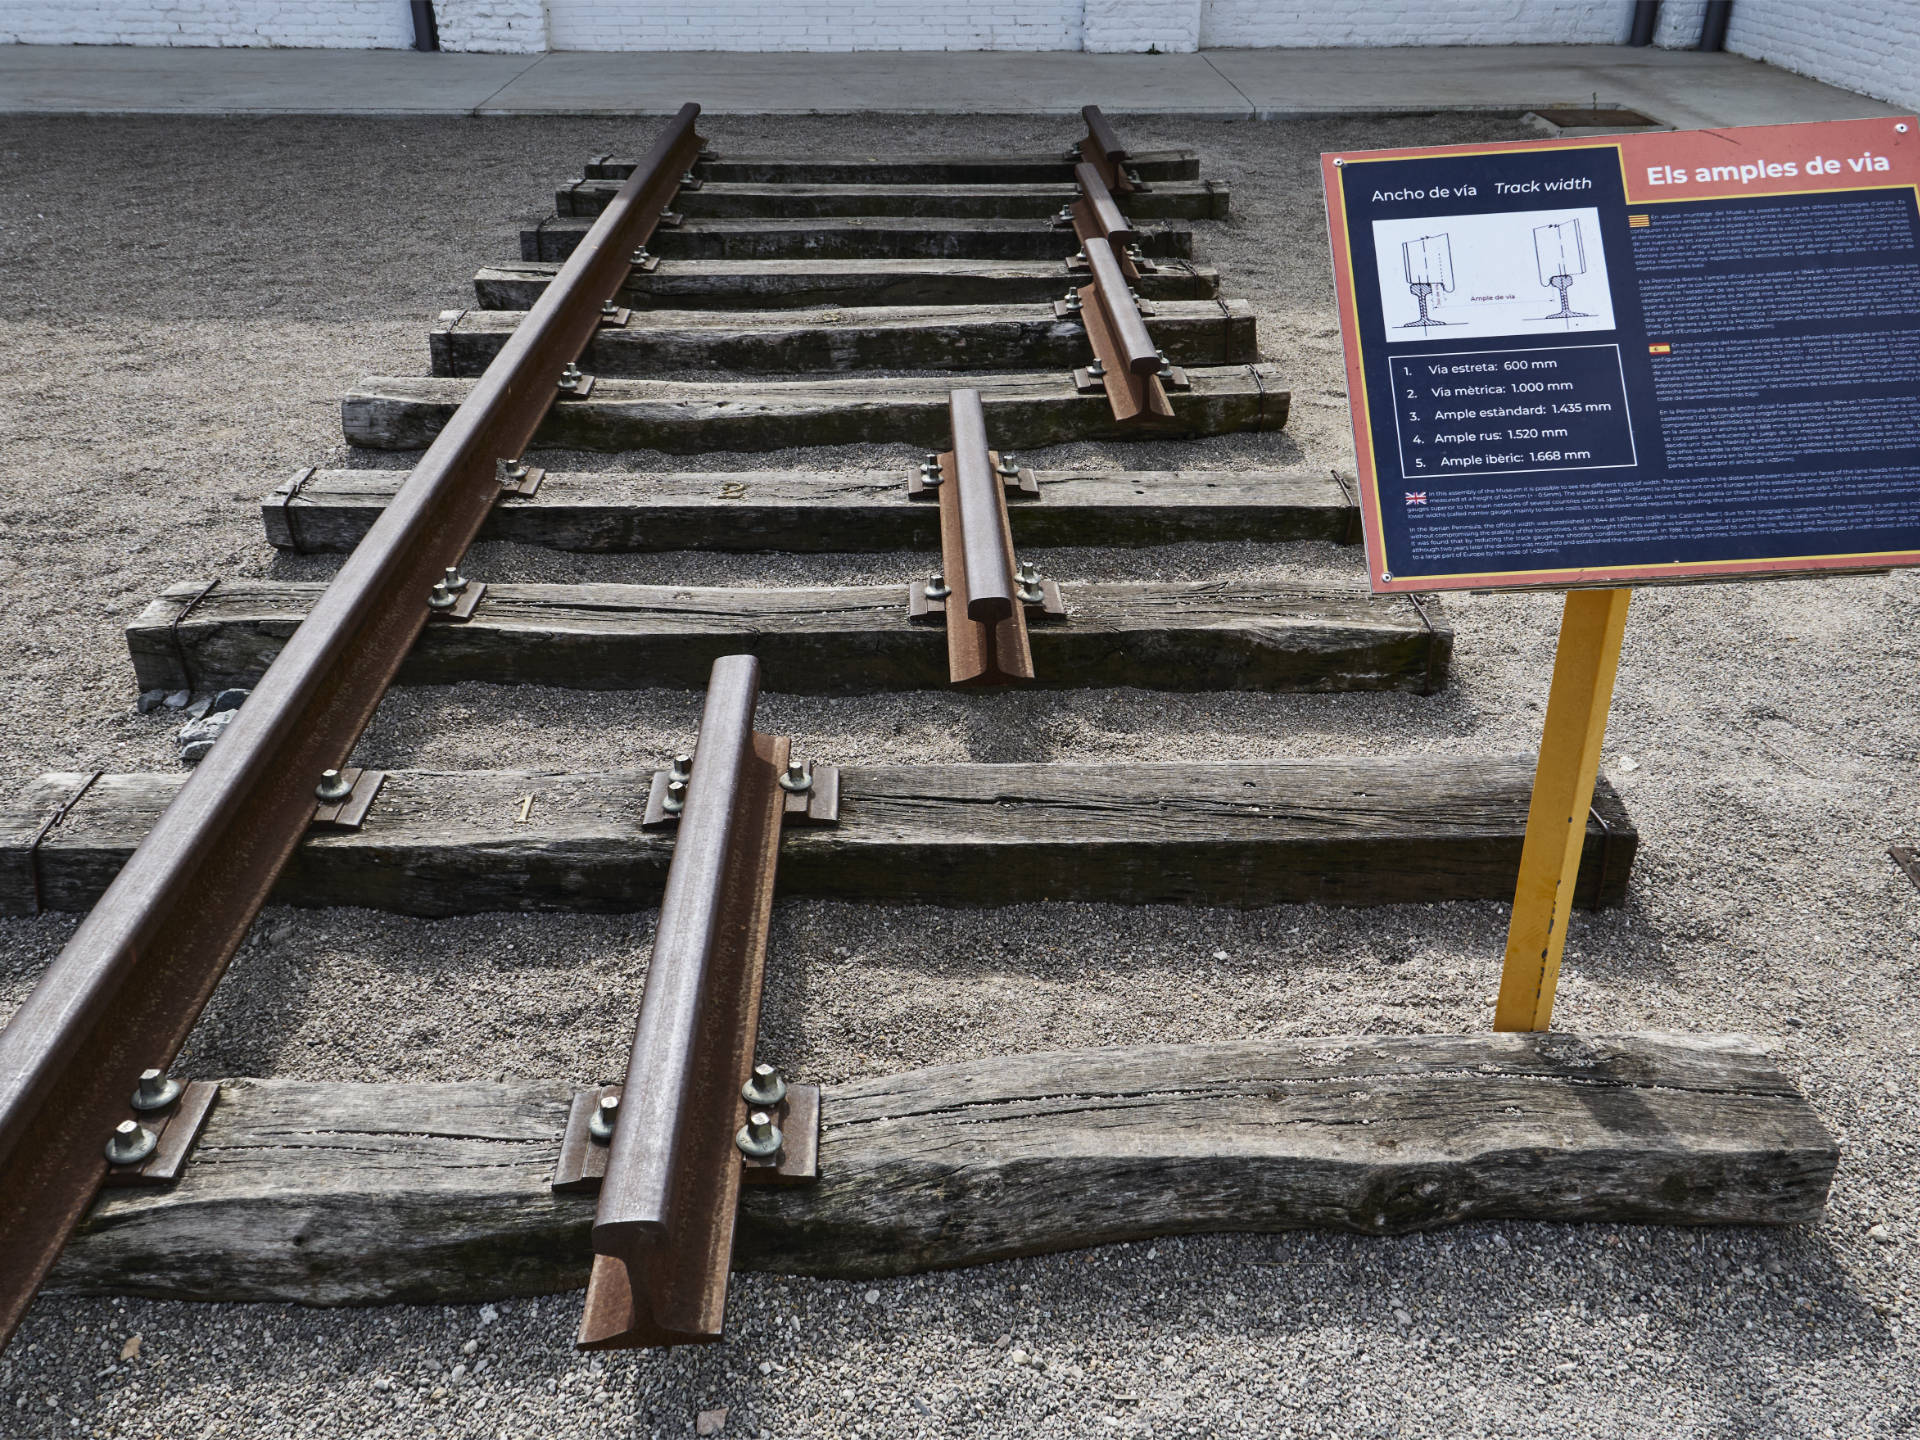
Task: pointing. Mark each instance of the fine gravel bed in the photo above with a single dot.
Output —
(190, 298)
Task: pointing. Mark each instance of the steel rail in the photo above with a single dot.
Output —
(127, 988)
(1099, 211)
(1103, 150)
(987, 551)
(1137, 352)
(663, 1232)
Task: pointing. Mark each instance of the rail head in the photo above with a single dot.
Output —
(982, 496)
(126, 989)
(1101, 133)
(1100, 211)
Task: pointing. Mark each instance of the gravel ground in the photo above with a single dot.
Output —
(183, 325)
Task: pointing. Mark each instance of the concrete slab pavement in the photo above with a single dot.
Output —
(1681, 87)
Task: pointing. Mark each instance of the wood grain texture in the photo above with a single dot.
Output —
(685, 417)
(855, 237)
(337, 1194)
(732, 199)
(1419, 829)
(840, 511)
(1175, 164)
(804, 284)
(892, 337)
(1190, 635)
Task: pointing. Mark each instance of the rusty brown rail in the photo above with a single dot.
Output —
(1126, 361)
(128, 986)
(1102, 149)
(984, 533)
(1096, 213)
(977, 595)
(663, 1233)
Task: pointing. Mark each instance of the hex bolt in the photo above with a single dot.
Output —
(512, 472)
(676, 800)
(607, 307)
(682, 768)
(1096, 369)
(333, 787)
(930, 470)
(570, 377)
(441, 598)
(600, 1126)
(759, 1137)
(455, 582)
(937, 588)
(1009, 467)
(1027, 585)
(157, 1091)
(1074, 154)
(766, 1088)
(796, 780)
(1072, 302)
(132, 1142)
(640, 256)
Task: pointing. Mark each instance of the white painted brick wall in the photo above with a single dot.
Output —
(1264, 23)
(1865, 45)
(814, 25)
(1679, 27)
(503, 27)
(330, 24)
(1119, 25)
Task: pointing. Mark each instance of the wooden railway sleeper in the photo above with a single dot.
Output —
(698, 1113)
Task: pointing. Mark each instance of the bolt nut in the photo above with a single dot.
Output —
(1009, 467)
(570, 377)
(441, 598)
(455, 582)
(797, 779)
(512, 472)
(682, 768)
(600, 1126)
(333, 787)
(1027, 584)
(676, 800)
(607, 307)
(132, 1142)
(937, 588)
(1096, 369)
(157, 1091)
(766, 1088)
(759, 1138)
(640, 256)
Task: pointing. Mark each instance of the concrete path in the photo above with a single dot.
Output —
(1681, 87)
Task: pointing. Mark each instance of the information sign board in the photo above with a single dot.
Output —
(1635, 358)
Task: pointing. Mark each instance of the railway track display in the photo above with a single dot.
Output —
(965, 311)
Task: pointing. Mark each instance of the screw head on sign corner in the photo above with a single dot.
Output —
(1385, 576)
(1901, 128)
(1338, 163)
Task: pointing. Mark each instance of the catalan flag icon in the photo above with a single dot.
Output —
(1662, 348)
(1639, 222)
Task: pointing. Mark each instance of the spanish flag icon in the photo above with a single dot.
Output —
(1660, 348)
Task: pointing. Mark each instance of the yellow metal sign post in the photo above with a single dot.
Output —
(1583, 669)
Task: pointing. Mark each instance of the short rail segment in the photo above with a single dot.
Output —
(977, 595)
(1127, 363)
(663, 1230)
(125, 991)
